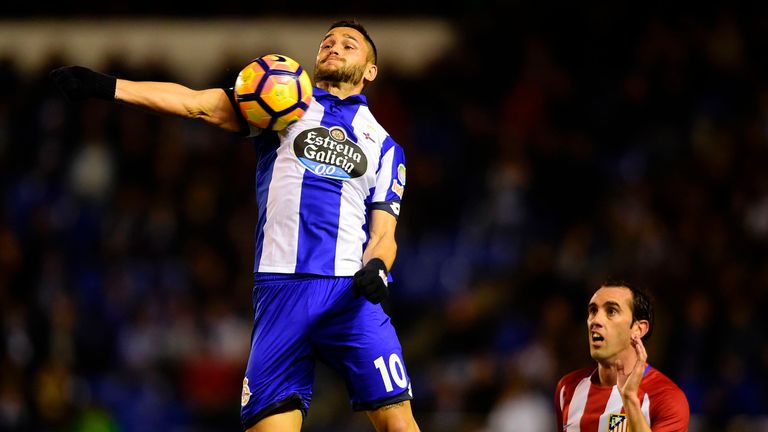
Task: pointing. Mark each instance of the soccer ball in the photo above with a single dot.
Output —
(273, 91)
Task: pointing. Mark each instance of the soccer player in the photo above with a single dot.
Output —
(623, 393)
(324, 245)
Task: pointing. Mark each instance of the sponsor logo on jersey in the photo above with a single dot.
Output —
(618, 423)
(329, 153)
(397, 188)
(395, 208)
(401, 174)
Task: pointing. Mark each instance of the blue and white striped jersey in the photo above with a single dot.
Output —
(316, 183)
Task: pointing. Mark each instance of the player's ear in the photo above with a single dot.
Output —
(370, 72)
(640, 328)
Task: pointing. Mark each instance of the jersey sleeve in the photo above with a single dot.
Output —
(390, 179)
(246, 129)
(671, 412)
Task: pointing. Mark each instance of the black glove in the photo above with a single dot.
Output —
(78, 83)
(371, 281)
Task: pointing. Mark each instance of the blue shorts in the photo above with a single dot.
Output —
(300, 319)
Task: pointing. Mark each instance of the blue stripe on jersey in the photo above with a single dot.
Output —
(385, 146)
(321, 201)
(266, 153)
(318, 224)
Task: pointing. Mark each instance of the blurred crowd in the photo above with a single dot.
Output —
(545, 156)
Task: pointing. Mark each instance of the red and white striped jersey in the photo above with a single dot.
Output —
(583, 406)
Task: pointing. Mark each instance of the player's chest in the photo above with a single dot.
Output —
(339, 151)
(596, 410)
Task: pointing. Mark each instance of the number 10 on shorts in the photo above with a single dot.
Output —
(395, 372)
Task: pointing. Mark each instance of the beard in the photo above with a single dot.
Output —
(349, 74)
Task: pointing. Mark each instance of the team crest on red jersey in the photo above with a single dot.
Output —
(618, 423)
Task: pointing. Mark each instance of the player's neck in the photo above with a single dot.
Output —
(341, 90)
(607, 373)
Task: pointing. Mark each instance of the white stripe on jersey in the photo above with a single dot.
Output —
(613, 405)
(351, 237)
(279, 249)
(645, 407)
(576, 407)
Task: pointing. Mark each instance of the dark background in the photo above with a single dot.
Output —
(551, 149)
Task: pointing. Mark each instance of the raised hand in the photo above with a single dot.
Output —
(629, 380)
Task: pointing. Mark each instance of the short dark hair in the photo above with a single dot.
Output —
(642, 308)
(351, 23)
(642, 304)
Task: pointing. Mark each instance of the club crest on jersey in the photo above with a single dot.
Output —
(329, 153)
(337, 133)
(618, 423)
(246, 394)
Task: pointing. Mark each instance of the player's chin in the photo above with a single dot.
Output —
(597, 353)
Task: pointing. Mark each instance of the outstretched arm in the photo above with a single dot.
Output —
(212, 106)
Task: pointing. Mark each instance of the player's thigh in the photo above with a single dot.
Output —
(360, 343)
(280, 368)
(395, 417)
(289, 421)
(280, 352)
